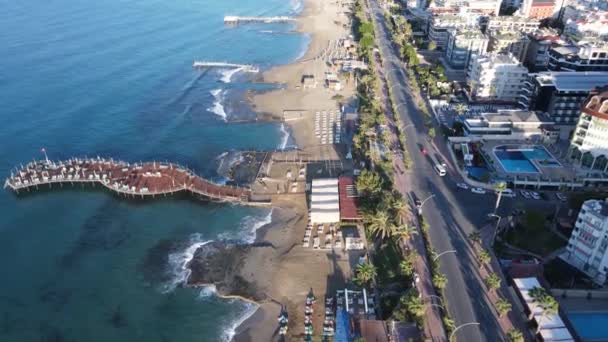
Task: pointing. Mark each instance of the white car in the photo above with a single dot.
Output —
(525, 194)
(535, 195)
(463, 186)
(561, 196)
(478, 191)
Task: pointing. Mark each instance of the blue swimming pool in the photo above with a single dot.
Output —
(518, 159)
(590, 326)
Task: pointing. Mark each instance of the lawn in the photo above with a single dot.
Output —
(533, 236)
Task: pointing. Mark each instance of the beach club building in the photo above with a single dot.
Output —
(334, 200)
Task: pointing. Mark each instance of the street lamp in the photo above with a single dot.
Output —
(442, 253)
(461, 326)
(422, 203)
(495, 228)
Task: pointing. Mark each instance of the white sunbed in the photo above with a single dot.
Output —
(316, 243)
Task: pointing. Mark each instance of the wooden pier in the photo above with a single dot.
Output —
(234, 20)
(145, 180)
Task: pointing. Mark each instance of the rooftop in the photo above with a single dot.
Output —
(573, 81)
(597, 103)
(597, 207)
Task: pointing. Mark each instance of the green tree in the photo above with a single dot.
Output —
(365, 274)
(366, 42)
(475, 237)
(370, 183)
(380, 224)
(405, 231)
(483, 257)
(407, 265)
(432, 133)
(413, 304)
(461, 108)
(541, 298)
(492, 281)
(503, 307)
(515, 335)
(432, 45)
(440, 281)
(366, 28)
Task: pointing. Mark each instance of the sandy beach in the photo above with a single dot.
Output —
(326, 23)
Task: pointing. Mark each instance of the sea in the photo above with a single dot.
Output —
(114, 78)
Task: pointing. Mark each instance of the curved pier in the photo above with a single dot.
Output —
(138, 180)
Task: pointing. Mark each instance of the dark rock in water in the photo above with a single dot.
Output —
(117, 318)
(153, 266)
(220, 264)
(56, 298)
(51, 334)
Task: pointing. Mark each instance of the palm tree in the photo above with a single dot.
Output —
(499, 188)
(405, 231)
(461, 108)
(503, 307)
(380, 224)
(413, 304)
(406, 266)
(440, 281)
(541, 298)
(515, 335)
(475, 237)
(366, 272)
(483, 257)
(492, 281)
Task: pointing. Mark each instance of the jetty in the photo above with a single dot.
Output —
(243, 67)
(145, 180)
(234, 20)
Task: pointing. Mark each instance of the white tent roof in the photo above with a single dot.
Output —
(560, 334)
(324, 201)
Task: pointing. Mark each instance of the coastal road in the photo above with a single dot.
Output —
(451, 214)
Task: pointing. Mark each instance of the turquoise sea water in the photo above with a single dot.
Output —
(114, 78)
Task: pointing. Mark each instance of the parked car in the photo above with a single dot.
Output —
(561, 196)
(525, 194)
(535, 195)
(478, 191)
(463, 186)
(508, 193)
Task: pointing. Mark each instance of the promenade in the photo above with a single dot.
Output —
(148, 179)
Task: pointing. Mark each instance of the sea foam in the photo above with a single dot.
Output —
(230, 331)
(178, 262)
(228, 73)
(218, 107)
(248, 228)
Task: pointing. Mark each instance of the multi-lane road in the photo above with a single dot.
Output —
(452, 214)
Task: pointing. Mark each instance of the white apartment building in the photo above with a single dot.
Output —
(442, 23)
(489, 7)
(496, 78)
(512, 23)
(589, 144)
(462, 44)
(588, 243)
(511, 125)
(590, 24)
(509, 42)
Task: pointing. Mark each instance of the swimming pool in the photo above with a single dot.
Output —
(590, 326)
(518, 159)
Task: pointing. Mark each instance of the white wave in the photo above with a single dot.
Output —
(230, 331)
(248, 228)
(296, 6)
(266, 31)
(228, 73)
(208, 291)
(285, 138)
(218, 107)
(178, 262)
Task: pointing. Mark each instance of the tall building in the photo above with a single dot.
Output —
(589, 144)
(512, 23)
(560, 95)
(581, 57)
(462, 44)
(586, 249)
(538, 9)
(508, 43)
(591, 24)
(442, 23)
(496, 78)
(537, 55)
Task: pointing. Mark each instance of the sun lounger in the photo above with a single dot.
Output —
(315, 243)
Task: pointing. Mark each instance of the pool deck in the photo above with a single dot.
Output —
(546, 172)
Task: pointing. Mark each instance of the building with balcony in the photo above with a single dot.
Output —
(462, 44)
(538, 9)
(582, 57)
(488, 7)
(511, 125)
(512, 23)
(560, 95)
(508, 43)
(586, 249)
(442, 23)
(537, 54)
(496, 78)
(591, 24)
(589, 143)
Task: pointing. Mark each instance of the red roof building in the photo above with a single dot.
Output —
(348, 199)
